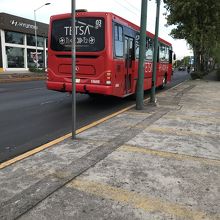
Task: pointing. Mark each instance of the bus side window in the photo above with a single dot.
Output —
(162, 52)
(131, 49)
(167, 54)
(118, 41)
(149, 49)
(137, 39)
(170, 55)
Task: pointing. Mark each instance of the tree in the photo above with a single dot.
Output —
(198, 22)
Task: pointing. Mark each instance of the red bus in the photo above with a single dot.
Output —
(107, 53)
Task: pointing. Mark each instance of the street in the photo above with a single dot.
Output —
(31, 115)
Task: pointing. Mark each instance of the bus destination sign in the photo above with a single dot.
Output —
(89, 34)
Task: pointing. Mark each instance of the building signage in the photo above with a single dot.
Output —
(22, 24)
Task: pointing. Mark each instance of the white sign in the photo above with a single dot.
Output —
(23, 25)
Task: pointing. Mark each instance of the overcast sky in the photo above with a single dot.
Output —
(128, 9)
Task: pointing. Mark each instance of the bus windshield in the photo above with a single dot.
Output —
(90, 34)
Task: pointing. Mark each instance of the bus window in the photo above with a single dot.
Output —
(162, 52)
(137, 39)
(167, 54)
(149, 49)
(118, 39)
(171, 56)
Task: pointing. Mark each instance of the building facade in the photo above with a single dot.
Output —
(18, 43)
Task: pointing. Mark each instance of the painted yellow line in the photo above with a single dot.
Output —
(202, 109)
(206, 119)
(169, 155)
(56, 141)
(144, 202)
(176, 131)
(34, 151)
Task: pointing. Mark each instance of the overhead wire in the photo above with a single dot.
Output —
(138, 10)
(122, 5)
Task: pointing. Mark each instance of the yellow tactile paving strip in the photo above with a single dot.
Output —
(182, 132)
(199, 118)
(144, 202)
(169, 155)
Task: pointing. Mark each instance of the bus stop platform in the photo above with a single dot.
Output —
(162, 162)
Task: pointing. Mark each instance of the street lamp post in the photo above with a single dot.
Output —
(35, 32)
(153, 99)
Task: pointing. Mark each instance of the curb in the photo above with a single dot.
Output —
(12, 79)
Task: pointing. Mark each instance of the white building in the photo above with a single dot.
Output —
(18, 45)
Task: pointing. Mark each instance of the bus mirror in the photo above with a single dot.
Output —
(174, 56)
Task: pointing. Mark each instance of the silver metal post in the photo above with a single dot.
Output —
(73, 72)
(35, 32)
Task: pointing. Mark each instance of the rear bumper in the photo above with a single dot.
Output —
(81, 88)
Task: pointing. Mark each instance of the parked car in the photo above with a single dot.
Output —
(181, 68)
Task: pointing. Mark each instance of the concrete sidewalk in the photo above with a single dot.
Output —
(20, 76)
(159, 163)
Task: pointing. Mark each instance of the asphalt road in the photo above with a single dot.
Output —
(31, 115)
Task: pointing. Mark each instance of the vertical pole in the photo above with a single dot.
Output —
(153, 89)
(35, 33)
(73, 72)
(44, 55)
(142, 45)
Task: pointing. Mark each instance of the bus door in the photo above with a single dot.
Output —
(129, 56)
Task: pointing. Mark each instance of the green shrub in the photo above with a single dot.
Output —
(218, 74)
(197, 75)
(37, 70)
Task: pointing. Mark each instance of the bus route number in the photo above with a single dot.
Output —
(98, 24)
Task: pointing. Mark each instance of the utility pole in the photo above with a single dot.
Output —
(73, 9)
(153, 89)
(142, 50)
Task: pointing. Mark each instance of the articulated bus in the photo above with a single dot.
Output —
(107, 53)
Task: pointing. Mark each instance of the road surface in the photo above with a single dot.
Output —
(31, 115)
